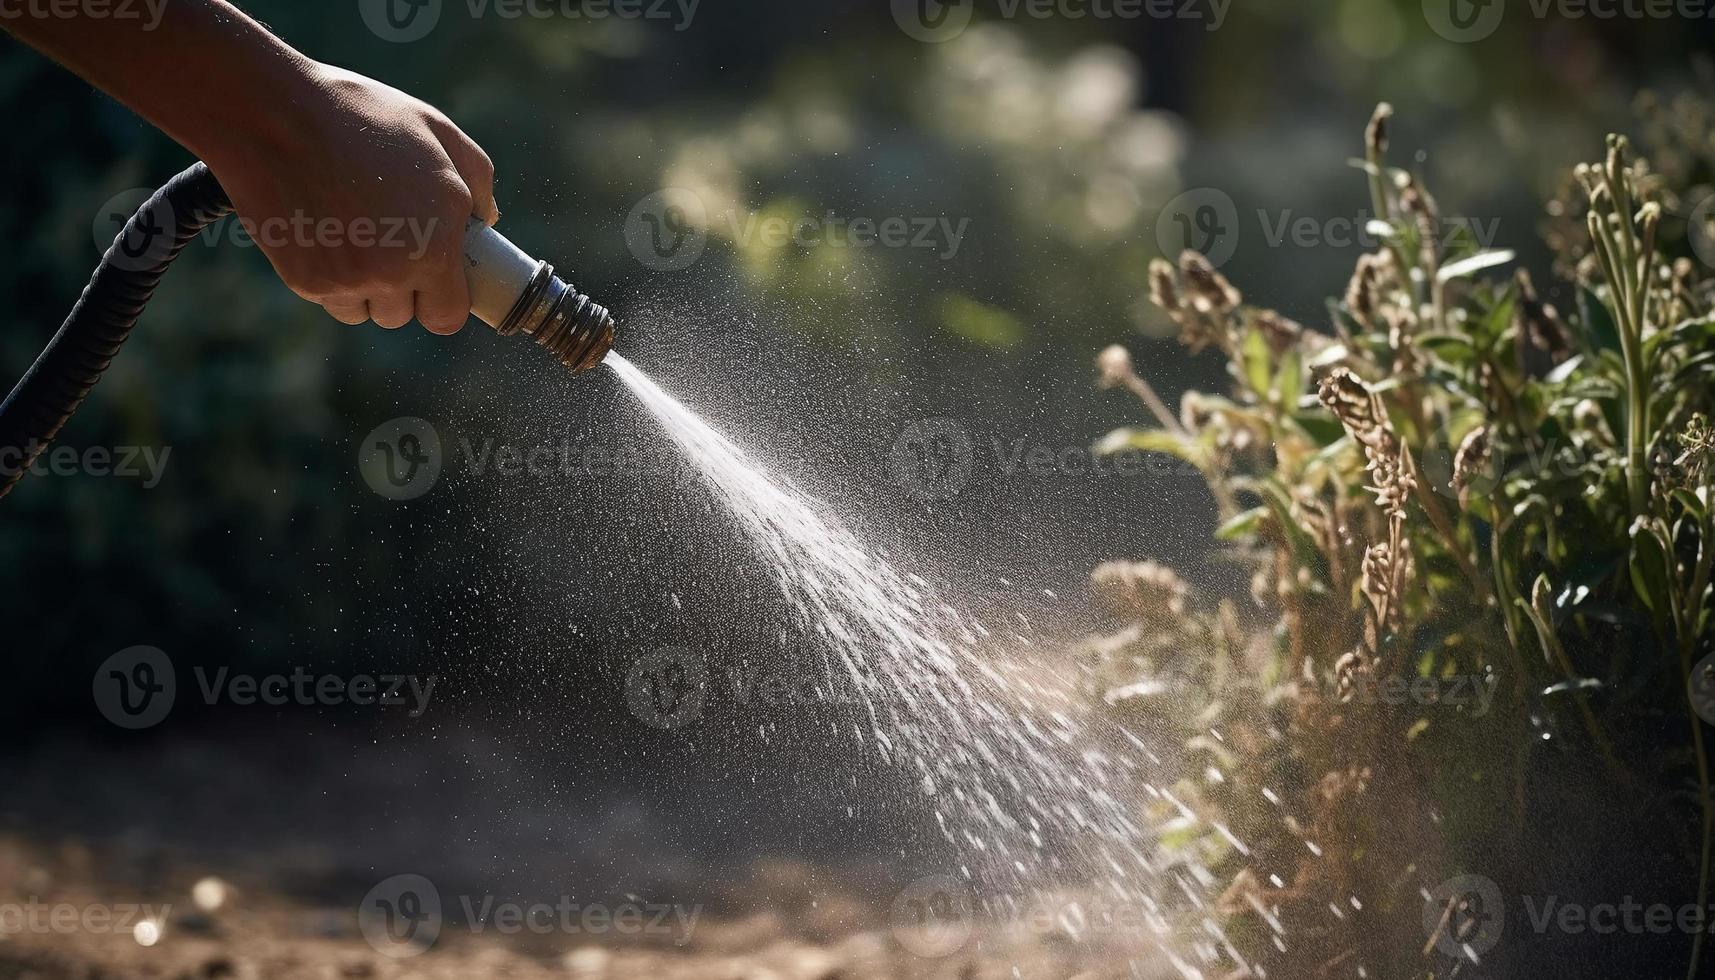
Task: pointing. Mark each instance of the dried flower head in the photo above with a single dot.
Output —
(1282, 333)
(1697, 450)
(1364, 293)
(1349, 399)
(1471, 461)
(1113, 367)
(1231, 432)
(1392, 568)
(1244, 889)
(1685, 296)
(1348, 670)
(1385, 572)
(1402, 339)
(1344, 784)
(1361, 412)
(1163, 285)
(1198, 298)
(1378, 569)
(1376, 133)
(1420, 207)
(1210, 292)
(1391, 482)
(1146, 590)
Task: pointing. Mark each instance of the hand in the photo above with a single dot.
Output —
(359, 195)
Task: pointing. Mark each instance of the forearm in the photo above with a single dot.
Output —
(193, 68)
(292, 141)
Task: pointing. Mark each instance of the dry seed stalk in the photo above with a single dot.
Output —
(1364, 293)
(1361, 411)
(1198, 298)
(1143, 590)
(1472, 459)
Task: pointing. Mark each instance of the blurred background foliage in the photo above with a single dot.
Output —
(1060, 141)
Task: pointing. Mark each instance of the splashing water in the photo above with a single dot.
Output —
(1030, 787)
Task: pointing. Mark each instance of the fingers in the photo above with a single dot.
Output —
(392, 309)
(444, 311)
(443, 293)
(472, 164)
(441, 311)
(346, 310)
(434, 292)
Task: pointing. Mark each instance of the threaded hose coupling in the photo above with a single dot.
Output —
(577, 330)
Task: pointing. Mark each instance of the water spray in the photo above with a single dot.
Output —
(509, 291)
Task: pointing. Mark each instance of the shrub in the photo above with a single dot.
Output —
(1460, 493)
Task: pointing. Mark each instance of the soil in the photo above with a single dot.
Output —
(249, 857)
(253, 933)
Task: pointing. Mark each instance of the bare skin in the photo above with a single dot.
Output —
(315, 158)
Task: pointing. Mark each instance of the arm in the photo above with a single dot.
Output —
(320, 162)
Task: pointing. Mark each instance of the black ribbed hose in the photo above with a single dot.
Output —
(92, 334)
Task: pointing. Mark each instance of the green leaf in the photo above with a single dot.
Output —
(1649, 566)
(1564, 369)
(1331, 451)
(1322, 428)
(1451, 348)
(1255, 354)
(1275, 495)
(1593, 315)
(1498, 328)
(1692, 503)
(1695, 332)
(1331, 354)
(990, 326)
(1289, 380)
(1474, 264)
(1700, 364)
(1242, 526)
(1152, 441)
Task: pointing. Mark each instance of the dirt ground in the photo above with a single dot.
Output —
(201, 926)
(247, 852)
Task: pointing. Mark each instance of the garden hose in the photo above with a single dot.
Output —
(510, 292)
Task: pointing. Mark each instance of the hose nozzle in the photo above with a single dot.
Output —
(514, 293)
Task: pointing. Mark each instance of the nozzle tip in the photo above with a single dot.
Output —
(577, 330)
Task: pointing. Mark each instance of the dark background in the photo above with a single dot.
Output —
(263, 548)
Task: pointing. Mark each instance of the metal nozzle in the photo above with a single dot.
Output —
(574, 328)
(514, 293)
